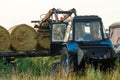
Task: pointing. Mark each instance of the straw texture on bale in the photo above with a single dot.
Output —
(4, 39)
(23, 37)
(43, 40)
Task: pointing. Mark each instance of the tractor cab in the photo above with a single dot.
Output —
(89, 33)
(88, 29)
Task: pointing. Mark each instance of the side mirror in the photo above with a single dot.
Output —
(106, 30)
(107, 33)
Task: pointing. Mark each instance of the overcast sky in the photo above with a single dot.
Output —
(13, 12)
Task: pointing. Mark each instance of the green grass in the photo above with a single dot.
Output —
(39, 69)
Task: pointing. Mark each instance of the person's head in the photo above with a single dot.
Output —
(78, 34)
(95, 36)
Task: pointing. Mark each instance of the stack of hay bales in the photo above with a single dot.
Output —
(4, 39)
(43, 39)
(23, 37)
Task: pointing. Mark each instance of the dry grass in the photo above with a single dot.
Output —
(38, 69)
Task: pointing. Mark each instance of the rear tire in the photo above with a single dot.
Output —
(55, 67)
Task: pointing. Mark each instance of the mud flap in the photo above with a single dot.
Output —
(80, 55)
(74, 48)
(65, 58)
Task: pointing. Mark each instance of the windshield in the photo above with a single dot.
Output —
(88, 31)
(58, 32)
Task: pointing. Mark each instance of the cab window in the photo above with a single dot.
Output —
(88, 31)
(58, 32)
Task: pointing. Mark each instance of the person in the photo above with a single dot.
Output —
(78, 36)
(95, 36)
(91, 37)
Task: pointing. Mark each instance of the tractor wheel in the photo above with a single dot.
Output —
(108, 67)
(55, 67)
(69, 60)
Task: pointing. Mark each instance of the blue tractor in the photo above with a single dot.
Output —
(87, 43)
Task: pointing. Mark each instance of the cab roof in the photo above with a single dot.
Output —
(114, 25)
(87, 17)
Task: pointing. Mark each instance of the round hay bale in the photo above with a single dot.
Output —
(4, 39)
(43, 40)
(23, 37)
